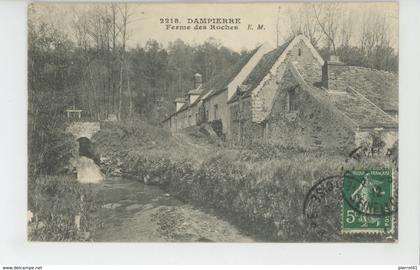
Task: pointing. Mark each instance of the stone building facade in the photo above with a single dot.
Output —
(298, 100)
(290, 96)
(252, 104)
(207, 102)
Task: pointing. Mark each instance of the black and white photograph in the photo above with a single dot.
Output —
(239, 122)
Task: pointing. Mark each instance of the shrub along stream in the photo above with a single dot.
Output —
(262, 194)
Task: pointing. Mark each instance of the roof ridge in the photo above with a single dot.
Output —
(282, 57)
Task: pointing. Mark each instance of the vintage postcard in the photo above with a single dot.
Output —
(224, 122)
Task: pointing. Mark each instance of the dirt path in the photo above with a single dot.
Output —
(134, 212)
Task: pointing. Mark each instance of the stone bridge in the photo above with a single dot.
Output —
(83, 129)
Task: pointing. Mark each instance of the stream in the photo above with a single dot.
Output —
(135, 212)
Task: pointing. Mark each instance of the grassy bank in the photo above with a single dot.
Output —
(55, 201)
(262, 189)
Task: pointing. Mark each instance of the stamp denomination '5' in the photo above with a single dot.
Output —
(368, 201)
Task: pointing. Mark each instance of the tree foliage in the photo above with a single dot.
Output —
(50, 89)
(331, 28)
(99, 75)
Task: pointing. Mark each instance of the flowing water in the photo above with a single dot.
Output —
(88, 172)
(135, 212)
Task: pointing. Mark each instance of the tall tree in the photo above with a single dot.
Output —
(327, 18)
(304, 22)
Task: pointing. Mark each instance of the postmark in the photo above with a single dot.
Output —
(321, 208)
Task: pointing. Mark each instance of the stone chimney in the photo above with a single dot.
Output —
(179, 102)
(331, 71)
(198, 80)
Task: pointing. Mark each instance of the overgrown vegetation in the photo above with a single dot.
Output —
(263, 191)
(57, 202)
(54, 195)
(94, 68)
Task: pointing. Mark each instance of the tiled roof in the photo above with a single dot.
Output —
(353, 104)
(362, 111)
(261, 69)
(380, 87)
(264, 66)
(221, 81)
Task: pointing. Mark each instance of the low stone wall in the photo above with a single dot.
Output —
(83, 129)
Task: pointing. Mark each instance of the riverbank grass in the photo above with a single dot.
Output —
(262, 191)
(61, 209)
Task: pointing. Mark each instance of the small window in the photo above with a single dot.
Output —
(215, 111)
(299, 52)
(291, 100)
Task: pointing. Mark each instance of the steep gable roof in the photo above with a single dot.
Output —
(264, 66)
(220, 82)
(224, 77)
(269, 62)
(358, 109)
(261, 69)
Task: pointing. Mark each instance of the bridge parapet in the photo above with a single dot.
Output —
(83, 129)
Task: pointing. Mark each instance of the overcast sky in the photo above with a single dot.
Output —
(146, 21)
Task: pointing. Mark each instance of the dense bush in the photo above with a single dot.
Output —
(49, 147)
(261, 190)
(127, 133)
(55, 201)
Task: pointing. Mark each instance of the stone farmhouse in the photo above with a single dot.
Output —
(207, 102)
(290, 96)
